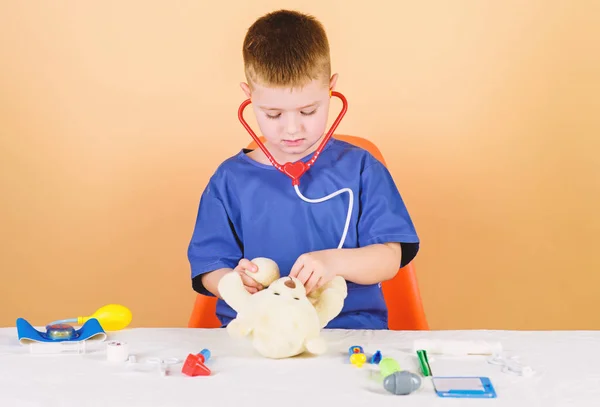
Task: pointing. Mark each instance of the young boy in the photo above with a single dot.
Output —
(250, 209)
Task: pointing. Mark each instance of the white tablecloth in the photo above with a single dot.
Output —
(567, 366)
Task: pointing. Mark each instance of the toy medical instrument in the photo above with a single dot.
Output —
(355, 349)
(511, 365)
(402, 383)
(117, 351)
(357, 356)
(163, 364)
(297, 169)
(388, 366)
(358, 359)
(424, 362)
(464, 387)
(59, 338)
(60, 331)
(376, 358)
(194, 365)
(457, 348)
(112, 317)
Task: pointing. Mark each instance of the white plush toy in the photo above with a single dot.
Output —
(280, 319)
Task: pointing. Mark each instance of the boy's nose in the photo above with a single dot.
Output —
(292, 126)
(292, 129)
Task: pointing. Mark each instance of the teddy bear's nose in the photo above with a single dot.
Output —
(290, 283)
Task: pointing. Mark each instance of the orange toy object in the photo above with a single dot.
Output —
(402, 295)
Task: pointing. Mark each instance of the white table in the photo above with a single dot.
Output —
(567, 368)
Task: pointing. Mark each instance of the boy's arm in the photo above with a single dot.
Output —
(210, 281)
(387, 239)
(365, 265)
(214, 249)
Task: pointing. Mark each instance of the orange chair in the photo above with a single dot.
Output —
(402, 295)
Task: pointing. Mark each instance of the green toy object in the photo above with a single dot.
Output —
(388, 366)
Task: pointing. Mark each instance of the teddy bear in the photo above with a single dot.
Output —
(281, 320)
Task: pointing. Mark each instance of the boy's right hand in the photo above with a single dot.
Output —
(249, 284)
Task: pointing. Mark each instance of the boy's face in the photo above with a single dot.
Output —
(293, 121)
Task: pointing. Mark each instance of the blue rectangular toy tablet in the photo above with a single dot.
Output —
(464, 387)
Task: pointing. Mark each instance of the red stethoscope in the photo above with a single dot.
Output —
(297, 169)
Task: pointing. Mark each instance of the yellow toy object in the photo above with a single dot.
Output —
(112, 317)
(358, 359)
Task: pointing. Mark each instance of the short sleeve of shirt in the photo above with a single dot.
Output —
(214, 243)
(383, 216)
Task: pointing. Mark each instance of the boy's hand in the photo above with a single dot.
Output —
(313, 269)
(249, 284)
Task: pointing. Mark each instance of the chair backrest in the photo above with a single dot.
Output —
(402, 295)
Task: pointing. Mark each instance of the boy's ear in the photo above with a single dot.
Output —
(246, 89)
(333, 81)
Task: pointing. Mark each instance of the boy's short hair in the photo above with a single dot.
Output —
(286, 48)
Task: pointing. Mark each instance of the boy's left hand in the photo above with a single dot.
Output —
(313, 270)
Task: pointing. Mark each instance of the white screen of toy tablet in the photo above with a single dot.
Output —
(449, 384)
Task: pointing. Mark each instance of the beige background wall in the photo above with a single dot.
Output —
(114, 114)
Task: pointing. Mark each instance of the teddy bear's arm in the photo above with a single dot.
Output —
(232, 291)
(239, 327)
(330, 300)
